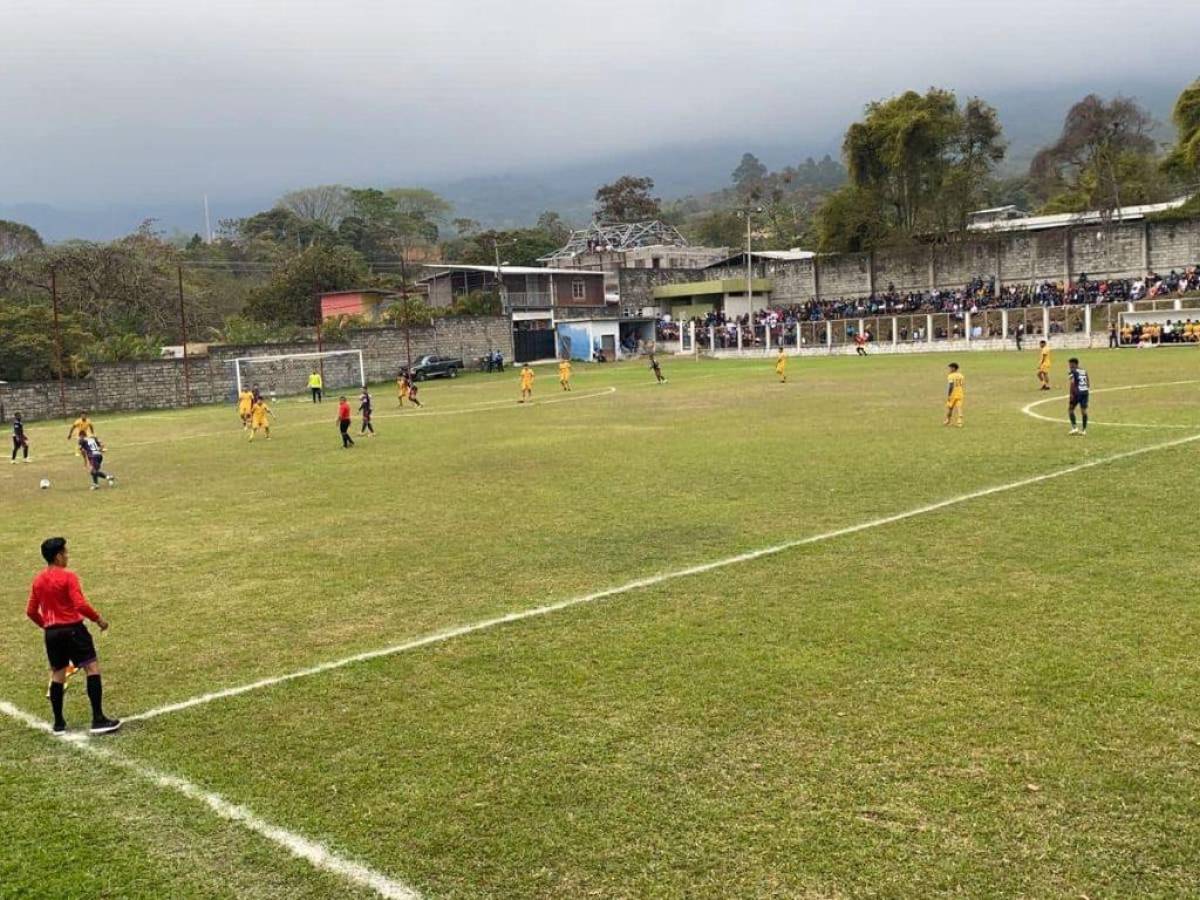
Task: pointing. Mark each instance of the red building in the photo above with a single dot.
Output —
(365, 302)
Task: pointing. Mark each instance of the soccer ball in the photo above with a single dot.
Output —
(44, 484)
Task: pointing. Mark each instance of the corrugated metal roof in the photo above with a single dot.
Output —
(1095, 217)
(508, 270)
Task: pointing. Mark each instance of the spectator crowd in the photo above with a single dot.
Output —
(978, 295)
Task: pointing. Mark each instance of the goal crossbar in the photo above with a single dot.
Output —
(237, 362)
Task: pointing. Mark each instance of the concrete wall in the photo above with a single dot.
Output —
(1120, 250)
(159, 384)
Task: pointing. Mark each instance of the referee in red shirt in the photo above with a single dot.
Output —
(58, 607)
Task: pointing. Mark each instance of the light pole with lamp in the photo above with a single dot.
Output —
(747, 212)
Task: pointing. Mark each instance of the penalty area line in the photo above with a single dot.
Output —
(646, 582)
(312, 852)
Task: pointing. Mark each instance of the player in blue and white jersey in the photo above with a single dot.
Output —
(1080, 387)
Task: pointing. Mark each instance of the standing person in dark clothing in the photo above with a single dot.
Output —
(364, 407)
(57, 606)
(343, 420)
(20, 441)
(1113, 342)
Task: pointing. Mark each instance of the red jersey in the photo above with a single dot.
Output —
(56, 598)
(344, 412)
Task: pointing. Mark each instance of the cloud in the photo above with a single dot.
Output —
(109, 100)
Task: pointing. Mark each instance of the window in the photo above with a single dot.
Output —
(578, 289)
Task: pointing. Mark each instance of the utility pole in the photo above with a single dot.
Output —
(187, 376)
(62, 387)
(748, 211)
(320, 342)
(404, 303)
(500, 276)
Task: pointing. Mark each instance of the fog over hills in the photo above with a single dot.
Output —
(504, 197)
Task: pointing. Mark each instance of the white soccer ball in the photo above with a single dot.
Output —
(44, 484)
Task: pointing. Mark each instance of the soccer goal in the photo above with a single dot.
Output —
(288, 373)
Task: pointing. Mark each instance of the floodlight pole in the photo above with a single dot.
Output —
(320, 315)
(62, 387)
(187, 376)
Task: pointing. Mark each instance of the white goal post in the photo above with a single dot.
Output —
(281, 364)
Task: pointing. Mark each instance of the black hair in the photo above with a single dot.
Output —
(953, 366)
(1074, 359)
(51, 547)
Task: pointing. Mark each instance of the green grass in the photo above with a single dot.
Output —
(997, 698)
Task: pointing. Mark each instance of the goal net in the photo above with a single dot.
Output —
(288, 373)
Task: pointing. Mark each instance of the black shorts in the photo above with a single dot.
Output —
(1080, 400)
(69, 644)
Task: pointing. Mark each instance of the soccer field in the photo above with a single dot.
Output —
(782, 640)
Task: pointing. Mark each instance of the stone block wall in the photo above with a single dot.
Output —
(160, 383)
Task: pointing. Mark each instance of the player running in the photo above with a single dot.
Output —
(412, 392)
(1080, 387)
(401, 388)
(260, 416)
(245, 405)
(781, 366)
(860, 343)
(343, 421)
(82, 427)
(564, 374)
(93, 452)
(1044, 366)
(526, 383)
(657, 370)
(954, 394)
(364, 407)
(20, 441)
(58, 607)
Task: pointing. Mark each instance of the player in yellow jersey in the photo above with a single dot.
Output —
(245, 404)
(1044, 366)
(260, 414)
(564, 374)
(82, 427)
(954, 394)
(401, 389)
(526, 383)
(781, 366)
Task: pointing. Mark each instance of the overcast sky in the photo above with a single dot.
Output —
(110, 100)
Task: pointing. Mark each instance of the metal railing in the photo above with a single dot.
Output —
(528, 300)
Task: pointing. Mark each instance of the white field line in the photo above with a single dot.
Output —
(649, 581)
(1028, 409)
(312, 852)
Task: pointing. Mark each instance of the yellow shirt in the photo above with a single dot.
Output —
(564, 370)
(780, 363)
(955, 379)
(1044, 362)
(526, 378)
(314, 380)
(260, 411)
(245, 401)
(83, 427)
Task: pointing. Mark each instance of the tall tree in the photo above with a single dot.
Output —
(1184, 159)
(325, 204)
(553, 225)
(749, 174)
(1103, 159)
(17, 239)
(627, 199)
(918, 164)
(288, 298)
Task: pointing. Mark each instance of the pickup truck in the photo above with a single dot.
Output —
(435, 367)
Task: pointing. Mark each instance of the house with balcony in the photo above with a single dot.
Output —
(537, 300)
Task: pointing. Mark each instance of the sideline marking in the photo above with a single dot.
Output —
(649, 581)
(312, 852)
(1027, 409)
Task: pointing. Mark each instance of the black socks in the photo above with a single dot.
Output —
(95, 692)
(56, 702)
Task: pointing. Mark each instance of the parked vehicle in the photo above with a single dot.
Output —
(436, 367)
